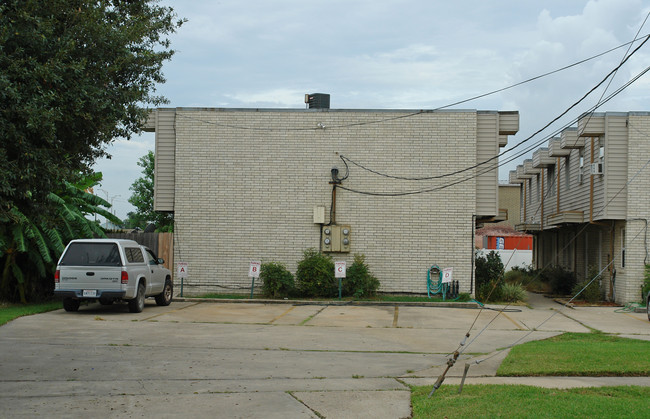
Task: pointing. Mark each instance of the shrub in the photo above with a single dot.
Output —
(591, 293)
(537, 285)
(529, 279)
(359, 281)
(560, 279)
(488, 271)
(491, 291)
(315, 275)
(488, 268)
(515, 276)
(513, 292)
(277, 280)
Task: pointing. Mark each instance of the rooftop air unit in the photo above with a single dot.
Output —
(318, 100)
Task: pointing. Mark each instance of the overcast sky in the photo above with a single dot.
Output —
(394, 54)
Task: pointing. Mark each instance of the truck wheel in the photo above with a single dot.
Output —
(70, 304)
(165, 297)
(137, 304)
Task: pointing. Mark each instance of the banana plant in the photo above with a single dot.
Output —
(30, 246)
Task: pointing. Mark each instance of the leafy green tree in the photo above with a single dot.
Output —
(30, 248)
(74, 77)
(134, 220)
(142, 198)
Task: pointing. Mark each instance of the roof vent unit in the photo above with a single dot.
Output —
(318, 100)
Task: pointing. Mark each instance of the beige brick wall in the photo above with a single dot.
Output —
(629, 279)
(510, 199)
(246, 183)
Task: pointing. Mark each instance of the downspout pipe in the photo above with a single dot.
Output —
(591, 186)
(559, 167)
(471, 281)
(542, 174)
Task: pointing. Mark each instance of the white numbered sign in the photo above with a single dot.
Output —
(181, 270)
(254, 270)
(339, 269)
(446, 275)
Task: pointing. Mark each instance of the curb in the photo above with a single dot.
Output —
(454, 304)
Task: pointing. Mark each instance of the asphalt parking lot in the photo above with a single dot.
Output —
(229, 360)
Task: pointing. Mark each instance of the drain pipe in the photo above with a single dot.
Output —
(612, 285)
(471, 281)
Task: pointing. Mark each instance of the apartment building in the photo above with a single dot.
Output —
(265, 184)
(585, 199)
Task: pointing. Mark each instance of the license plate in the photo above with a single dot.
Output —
(90, 293)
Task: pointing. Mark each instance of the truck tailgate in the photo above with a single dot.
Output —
(90, 277)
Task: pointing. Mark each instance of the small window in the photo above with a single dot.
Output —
(567, 173)
(153, 260)
(582, 158)
(134, 255)
(601, 149)
(92, 254)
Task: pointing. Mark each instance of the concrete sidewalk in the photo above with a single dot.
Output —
(271, 360)
(484, 372)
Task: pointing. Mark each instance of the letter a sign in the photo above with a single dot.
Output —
(181, 270)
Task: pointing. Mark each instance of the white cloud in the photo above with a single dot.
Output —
(564, 39)
(394, 54)
(280, 98)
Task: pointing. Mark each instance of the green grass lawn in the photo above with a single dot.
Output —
(579, 354)
(511, 401)
(569, 354)
(8, 312)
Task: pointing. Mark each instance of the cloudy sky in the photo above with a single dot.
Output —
(395, 54)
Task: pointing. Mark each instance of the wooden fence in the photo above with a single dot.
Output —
(162, 244)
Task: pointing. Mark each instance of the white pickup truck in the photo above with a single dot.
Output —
(108, 270)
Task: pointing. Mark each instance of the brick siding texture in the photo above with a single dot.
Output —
(629, 279)
(246, 183)
(510, 199)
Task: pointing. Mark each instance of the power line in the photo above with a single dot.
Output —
(490, 168)
(551, 186)
(555, 311)
(563, 113)
(415, 113)
(453, 357)
(636, 174)
(462, 347)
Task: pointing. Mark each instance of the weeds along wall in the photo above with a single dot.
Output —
(246, 181)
